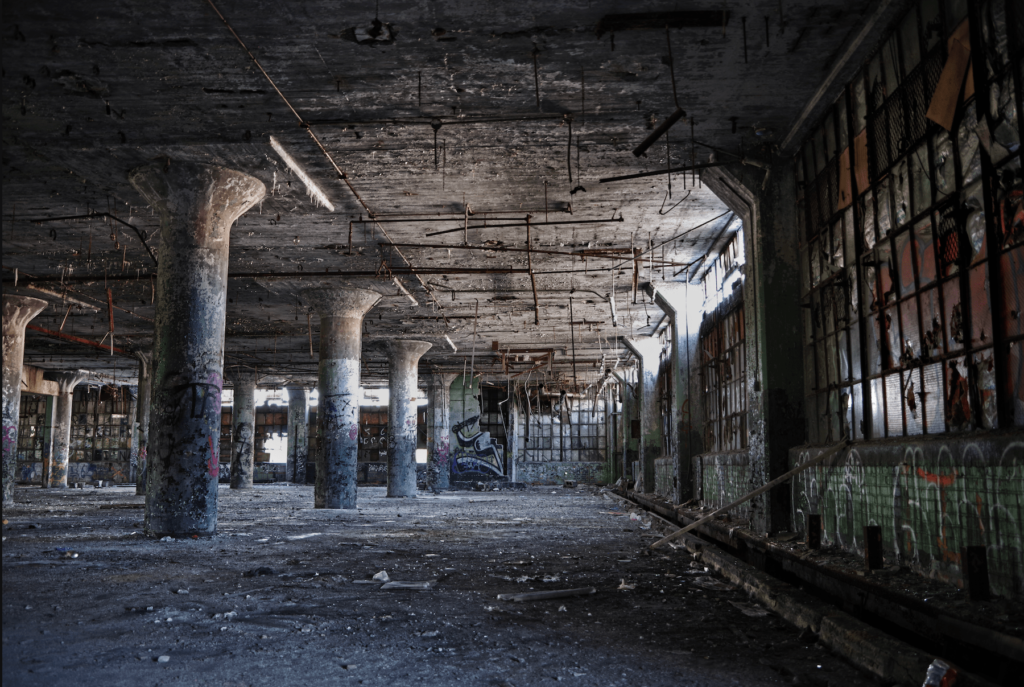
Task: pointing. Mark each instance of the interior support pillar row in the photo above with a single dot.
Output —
(243, 419)
(57, 475)
(197, 205)
(439, 428)
(145, 394)
(298, 435)
(647, 351)
(403, 364)
(18, 311)
(341, 313)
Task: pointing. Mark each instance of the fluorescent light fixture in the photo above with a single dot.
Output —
(401, 287)
(450, 343)
(315, 194)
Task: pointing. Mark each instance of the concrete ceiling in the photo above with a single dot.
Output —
(526, 93)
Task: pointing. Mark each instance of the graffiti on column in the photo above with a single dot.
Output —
(476, 452)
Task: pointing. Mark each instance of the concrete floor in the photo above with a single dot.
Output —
(308, 617)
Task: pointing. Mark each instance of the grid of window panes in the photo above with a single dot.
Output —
(724, 375)
(99, 424)
(573, 433)
(31, 428)
(898, 307)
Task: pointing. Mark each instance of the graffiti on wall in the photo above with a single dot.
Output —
(940, 497)
(477, 452)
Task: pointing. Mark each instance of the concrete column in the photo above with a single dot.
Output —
(197, 204)
(683, 305)
(145, 396)
(57, 477)
(298, 435)
(341, 313)
(647, 350)
(439, 432)
(243, 419)
(18, 312)
(403, 363)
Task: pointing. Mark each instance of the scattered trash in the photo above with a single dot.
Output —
(307, 628)
(382, 576)
(554, 594)
(569, 484)
(550, 578)
(163, 659)
(256, 572)
(525, 578)
(711, 584)
(430, 633)
(561, 609)
(749, 609)
(426, 584)
(940, 674)
(625, 587)
(181, 591)
(230, 615)
(167, 539)
(66, 552)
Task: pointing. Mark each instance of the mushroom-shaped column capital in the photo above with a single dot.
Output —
(209, 194)
(339, 301)
(67, 380)
(19, 311)
(407, 350)
(240, 377)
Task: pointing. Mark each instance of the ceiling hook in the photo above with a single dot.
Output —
(665, 199)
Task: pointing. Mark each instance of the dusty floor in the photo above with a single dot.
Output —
(280, 596)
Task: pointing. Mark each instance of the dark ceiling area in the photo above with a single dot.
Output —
(430, 135)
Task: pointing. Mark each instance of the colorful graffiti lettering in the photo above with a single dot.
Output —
(478, 452)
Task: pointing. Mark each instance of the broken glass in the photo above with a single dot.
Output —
(945, 177)
(984, 370)
(921, 181)
(860, 106)
(967, 141)
(867, 218)
(902, 192)
(913, 411)
(959, 417)
(884, 225)
(931, 346)
(975, 224)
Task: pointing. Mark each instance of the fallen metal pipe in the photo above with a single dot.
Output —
(757, 492)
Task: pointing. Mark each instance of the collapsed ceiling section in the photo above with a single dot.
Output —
(464, 159)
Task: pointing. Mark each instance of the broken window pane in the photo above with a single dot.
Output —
(904, 262)
(921, 180)
(884, 225)
(984, 370)
(959, 417)
(967, 140)
(867, 218)
(981, 307)
(860, 105)
(912, 403)
(931, 398)
(901, 190)
(953, 315)
(931, 340)
(945, 177)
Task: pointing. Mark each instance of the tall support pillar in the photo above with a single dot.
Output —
(403, 363)
(243, 419)
(57, 475)
(18, 312)
(341, 313)
(145, 396)
(298, 435)
(647, 351)
(197, 205)
(439, 428)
